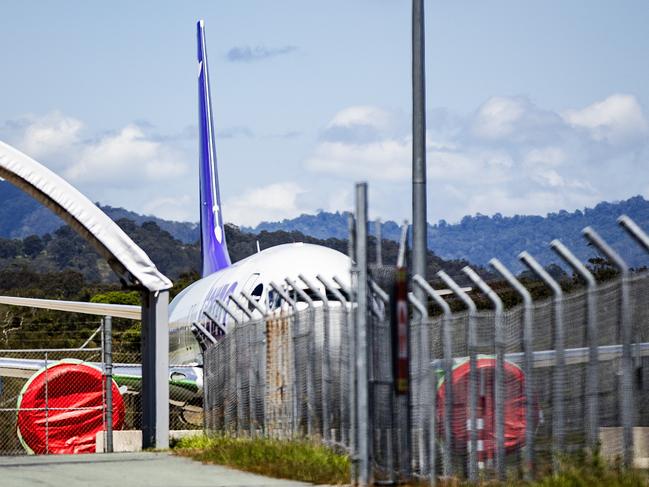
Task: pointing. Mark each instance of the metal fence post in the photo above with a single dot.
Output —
(107, 336)
(326, 358)
(473, 373)
(499, 376)
(261, 357)
(232, 343)
(558, 396)
(293, 305)
(427, 397)
(528, 367)
(353, 339)
(344, 326)
(251, 368)
(592, 372)
(352, 335)
(362, 344)
(379, 242)
(447, 344)
(310, 363)
(627, 401)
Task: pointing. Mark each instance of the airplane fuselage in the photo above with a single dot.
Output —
(197, 303)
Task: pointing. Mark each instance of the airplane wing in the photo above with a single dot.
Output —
(185, 381)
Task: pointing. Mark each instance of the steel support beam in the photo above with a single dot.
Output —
(155, 369)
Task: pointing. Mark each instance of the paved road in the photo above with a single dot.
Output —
(124, 470)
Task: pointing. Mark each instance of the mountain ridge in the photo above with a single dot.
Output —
(475, 238)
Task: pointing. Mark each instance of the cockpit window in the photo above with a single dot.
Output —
(256, 294)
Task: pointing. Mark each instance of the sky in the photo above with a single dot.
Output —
(532, 107)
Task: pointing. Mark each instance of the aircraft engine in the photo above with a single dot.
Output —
(514, 408)
(61, 408)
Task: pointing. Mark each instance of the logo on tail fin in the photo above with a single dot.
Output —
(218, 233)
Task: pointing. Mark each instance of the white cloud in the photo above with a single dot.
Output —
(545, 156)
(130, 167)
(49, 134)
(266, 203)
(128, 157)
(616, 119)
(387, 159)
(497, 117)
(361, 115)
(510, 156)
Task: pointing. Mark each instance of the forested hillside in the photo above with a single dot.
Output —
(475, 238)
(22, 216)
(61, 264)
(479, 238)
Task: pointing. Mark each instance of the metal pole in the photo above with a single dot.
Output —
(403, 244)
(499, 376)
(241, 306)
(559, 384)
(352, 314)
(472, 340)
(108, 379)
(627, 401)
(351, 242)
(447, 344)
(379, 242)
(326, 358)
(419, 224)
(592, 373)
(254, 303)
(233, 341)
(227, 310)
(396, 443)
(344, 324)
(310, 365)
(362, 343)
(155, 369)
(528, 352)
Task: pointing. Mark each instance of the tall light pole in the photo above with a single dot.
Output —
(419, 225)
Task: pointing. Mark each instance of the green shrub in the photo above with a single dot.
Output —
(303, 460)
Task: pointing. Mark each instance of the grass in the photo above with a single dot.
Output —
(303, 460)
(310, 461)
(578, 470)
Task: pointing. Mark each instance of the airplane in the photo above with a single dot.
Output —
(195, 310)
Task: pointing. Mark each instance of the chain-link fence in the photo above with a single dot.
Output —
(487, 393)
(285, 375)
(292, 374)
(53, 387)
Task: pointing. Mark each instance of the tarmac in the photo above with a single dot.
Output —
(145, 469)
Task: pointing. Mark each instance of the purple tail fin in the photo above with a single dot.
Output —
(214, 250)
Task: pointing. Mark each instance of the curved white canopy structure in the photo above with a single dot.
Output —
(127, 259)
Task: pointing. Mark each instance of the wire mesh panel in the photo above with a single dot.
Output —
(52, 400)
(267, 376)
(279, 393)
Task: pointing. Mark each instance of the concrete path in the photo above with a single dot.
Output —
(124, 470)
